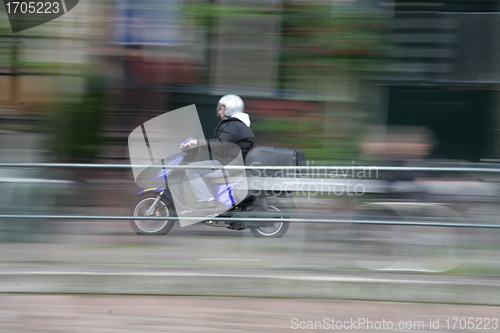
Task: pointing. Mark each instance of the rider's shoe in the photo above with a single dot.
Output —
(234, 226)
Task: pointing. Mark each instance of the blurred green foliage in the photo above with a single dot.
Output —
(320, 45)
(204, 12)
(310, 135)
(316, 39)
(76, 126)
(319, 40)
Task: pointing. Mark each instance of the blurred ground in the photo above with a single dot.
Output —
(310, 261)
(91, 313)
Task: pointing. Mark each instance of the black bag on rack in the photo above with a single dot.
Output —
(274, 156)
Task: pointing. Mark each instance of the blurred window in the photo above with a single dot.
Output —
(445, 45)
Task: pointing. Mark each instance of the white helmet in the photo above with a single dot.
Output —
(233, 103)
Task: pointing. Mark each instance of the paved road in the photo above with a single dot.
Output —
(91, 313)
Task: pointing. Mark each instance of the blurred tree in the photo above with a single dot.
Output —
(326, 50)
(313, 34)
(76, 126)
(320, 40)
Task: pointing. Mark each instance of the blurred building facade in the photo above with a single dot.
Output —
(313, 73)
(444, 75)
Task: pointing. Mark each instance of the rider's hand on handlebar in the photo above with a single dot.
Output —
(190, 144)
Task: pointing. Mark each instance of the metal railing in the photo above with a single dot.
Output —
(254, 167)
(314, 170)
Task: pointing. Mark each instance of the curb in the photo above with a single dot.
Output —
(272, 286)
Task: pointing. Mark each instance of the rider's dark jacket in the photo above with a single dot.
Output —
(230, 130)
